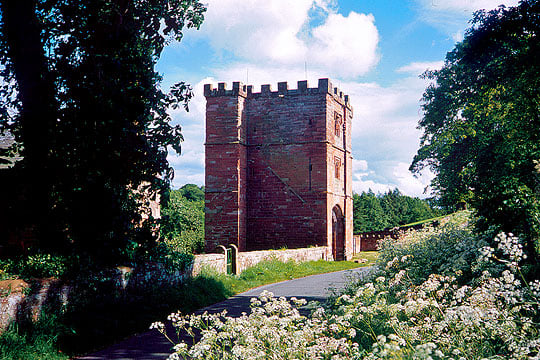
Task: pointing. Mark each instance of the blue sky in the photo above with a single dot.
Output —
(373, 50)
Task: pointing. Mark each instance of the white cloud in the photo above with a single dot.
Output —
(466, 5)
(384, 129)
(256, 74)
(346, 45)
(182, 177)
(261, 31)
(403, 179)
(360, 185)
(457, 36)
(417, 68)
(359, 165)
(411, 185)
(257, 29)
(452, 16)
(189, 165)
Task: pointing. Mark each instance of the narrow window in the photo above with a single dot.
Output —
(338, 122)
(310, 169)
(337, 167)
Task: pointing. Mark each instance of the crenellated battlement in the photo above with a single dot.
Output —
(239, 89)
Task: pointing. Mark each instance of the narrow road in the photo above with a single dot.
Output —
(152, 345)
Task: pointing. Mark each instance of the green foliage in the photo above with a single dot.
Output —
(98, 314)
(436, 293)
(402, 311)
(449, 250)
(80, 94)
(482, 122)
(172, 260)
(192, 192)
(101, 317)
(378, 212)
(182, 220)
(366, 258)
(33, 340)
(36, 266)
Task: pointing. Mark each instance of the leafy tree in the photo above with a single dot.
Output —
(368, 214)
(192, 192)
(482, 121)
(80, 94)
(376, 212)
(182, 225)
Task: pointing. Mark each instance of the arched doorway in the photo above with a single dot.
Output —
(338, 234)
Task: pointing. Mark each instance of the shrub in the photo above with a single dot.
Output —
(411, 308)
(451, 249)
(182, 223)
(35, 266)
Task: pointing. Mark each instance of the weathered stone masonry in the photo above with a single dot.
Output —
(278, 167)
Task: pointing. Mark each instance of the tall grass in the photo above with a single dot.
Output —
(33, 340)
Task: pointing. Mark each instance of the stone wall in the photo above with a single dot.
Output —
(213, 261)
(252, 258)
(367, 241)
(20, 299)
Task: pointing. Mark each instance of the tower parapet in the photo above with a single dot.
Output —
(240, 89)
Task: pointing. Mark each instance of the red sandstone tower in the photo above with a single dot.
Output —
(278, 168)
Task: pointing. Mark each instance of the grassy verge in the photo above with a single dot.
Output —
(33, 340)
(426, 221)
(97, 319)
(268, 272)
(367, 258)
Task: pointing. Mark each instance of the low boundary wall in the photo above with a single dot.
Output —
(367, 241)
(20, 299)
(251, 258)
(215, 262)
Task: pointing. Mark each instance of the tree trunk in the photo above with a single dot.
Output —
(36, 92)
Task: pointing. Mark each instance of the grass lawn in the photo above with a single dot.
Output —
(370, 256)
(268, 272)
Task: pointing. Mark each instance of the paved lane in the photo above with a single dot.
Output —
(152, 345)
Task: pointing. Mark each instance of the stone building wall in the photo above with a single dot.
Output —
(271, 158)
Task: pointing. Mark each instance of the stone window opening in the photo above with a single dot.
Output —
(338, 122)
(310, 169)
(337, 167)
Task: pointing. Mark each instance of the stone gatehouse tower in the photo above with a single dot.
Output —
(278, 168)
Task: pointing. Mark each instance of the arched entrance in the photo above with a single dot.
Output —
(338, 234)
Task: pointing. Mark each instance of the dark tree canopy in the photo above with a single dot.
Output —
(482, 121)
(80, 94)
